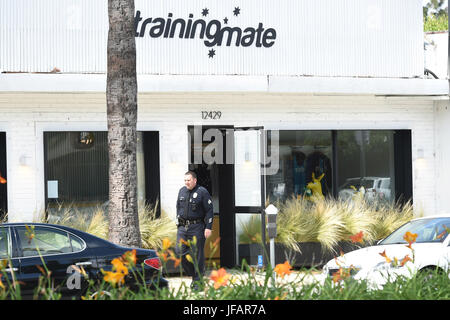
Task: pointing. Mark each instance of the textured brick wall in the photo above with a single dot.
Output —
(26, 115)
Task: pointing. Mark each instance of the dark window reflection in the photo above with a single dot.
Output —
(305, 165)
(76, 165)
(364, 159)
(366, 164)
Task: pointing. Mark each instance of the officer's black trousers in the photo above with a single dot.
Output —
(197, 252)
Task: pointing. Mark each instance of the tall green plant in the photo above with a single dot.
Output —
(330, 221)
(153, 229)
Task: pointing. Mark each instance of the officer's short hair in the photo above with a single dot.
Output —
(192, 173)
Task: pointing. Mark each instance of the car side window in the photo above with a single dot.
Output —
(43, 241)
(77, 244)
(4, 243)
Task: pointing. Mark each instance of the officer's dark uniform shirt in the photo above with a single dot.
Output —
(195, 204)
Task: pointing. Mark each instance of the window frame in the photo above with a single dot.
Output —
(10, 248)
(68, 233)
(402, 164)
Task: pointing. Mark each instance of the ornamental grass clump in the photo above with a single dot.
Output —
(330, 221)
(356, 217)
(390, 217)
(95, 221)
(92, 221)
(154, 229)
(330, 226)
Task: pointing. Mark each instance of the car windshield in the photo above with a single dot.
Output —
(351, 182)
(427, 230)
(367, 183)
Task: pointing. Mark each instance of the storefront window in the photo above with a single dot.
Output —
(340, 164)
(366, 164)
(305, 165)
(76, 171)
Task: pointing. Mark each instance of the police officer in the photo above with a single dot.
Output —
(195, 218)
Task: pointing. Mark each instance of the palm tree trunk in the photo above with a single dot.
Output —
(121, 100)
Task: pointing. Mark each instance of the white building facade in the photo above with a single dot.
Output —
(338, 86)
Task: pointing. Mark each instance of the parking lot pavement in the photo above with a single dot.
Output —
(176, 282)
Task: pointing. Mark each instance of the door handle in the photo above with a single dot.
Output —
(85, 263)
(11, 270)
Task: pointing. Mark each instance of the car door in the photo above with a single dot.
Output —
(43, 248)
(7, 254)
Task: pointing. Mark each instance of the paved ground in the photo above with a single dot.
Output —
(175, 282)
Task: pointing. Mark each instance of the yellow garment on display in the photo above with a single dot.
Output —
(316, 187)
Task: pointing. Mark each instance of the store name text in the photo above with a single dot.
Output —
(212, 30)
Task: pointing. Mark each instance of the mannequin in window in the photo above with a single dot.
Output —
(299, 173)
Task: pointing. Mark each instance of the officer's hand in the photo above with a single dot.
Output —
(207, 233)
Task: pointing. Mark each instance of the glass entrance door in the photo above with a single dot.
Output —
(3, 178)
(227, 162)
(249, 194)
(209, 158)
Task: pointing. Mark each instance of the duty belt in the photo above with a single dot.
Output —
(185, 223)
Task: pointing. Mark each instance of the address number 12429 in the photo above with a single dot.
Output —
(211, 115)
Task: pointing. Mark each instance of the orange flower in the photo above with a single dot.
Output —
(113, 277)
(405, 260)
(166, 244)
(410, 238)
(186, 243)
(119, 270)
(220, 278)
(383, 254)
(283, 269)
(176, 261)
(164, 256)
(119, 267)
(215, 243)
(341, 274)
(357, 237)
(129, 258)
(443, 233)
(171, 257)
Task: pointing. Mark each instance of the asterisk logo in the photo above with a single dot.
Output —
(237, 11)
(212, 53)
(205, 12)
(225, 20)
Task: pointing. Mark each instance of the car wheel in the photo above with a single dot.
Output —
(429, 274)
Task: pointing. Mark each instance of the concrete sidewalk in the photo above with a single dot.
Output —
(305, 277)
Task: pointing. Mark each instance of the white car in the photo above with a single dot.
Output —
(374, 188)
(394, 256)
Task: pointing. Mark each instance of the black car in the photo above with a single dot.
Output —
(64, 251)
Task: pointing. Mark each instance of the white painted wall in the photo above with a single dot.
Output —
(442, 150)
(25, 116)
